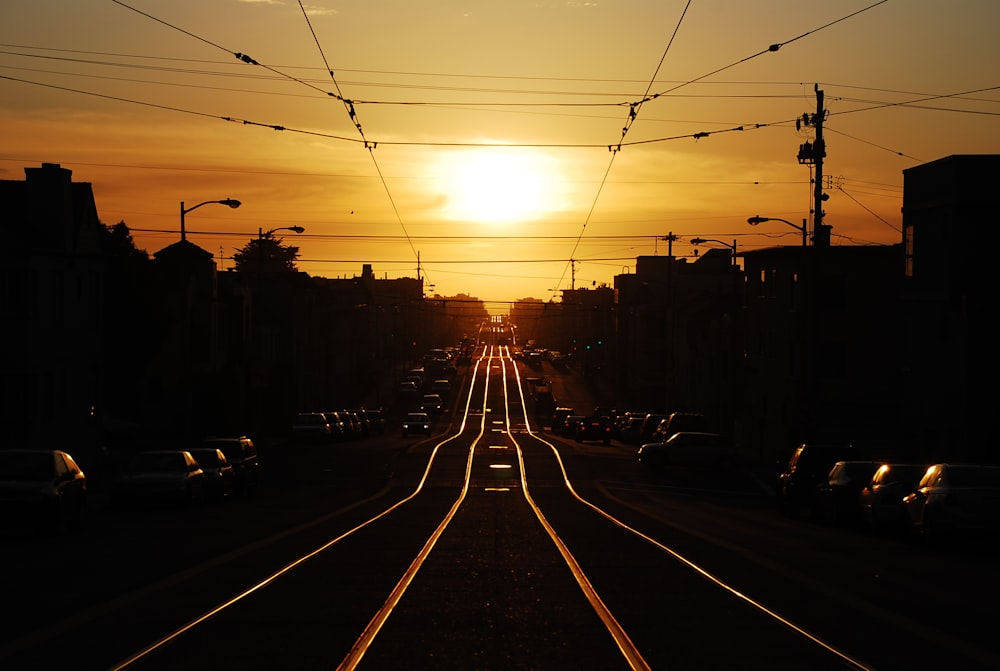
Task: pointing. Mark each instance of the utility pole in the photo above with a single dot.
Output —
(812, 349)
(813, 153)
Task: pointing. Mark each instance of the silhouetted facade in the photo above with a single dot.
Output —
(881, 346)
(52, 307)
(821, 357)
(950, 294)
(678, 336)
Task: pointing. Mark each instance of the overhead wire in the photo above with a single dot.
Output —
(371, 146)
(632, 114)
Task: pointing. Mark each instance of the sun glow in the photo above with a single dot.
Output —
(498, 185)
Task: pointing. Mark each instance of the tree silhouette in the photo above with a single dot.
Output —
(266, 254)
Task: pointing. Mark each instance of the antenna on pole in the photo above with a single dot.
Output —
(813, 153)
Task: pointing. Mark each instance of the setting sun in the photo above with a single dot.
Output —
(498, 185)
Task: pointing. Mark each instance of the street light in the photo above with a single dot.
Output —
(753, 221)
(261, 234)
(698, 241)
(228, 201)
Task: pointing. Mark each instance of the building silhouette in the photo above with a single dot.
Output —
(883, 346)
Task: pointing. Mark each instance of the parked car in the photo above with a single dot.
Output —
(338, 427)
(809, 465)
(837, 496)
(358, 427)
(955, 499)
(649, 425)
(161, 476)
(374, 420)
(311, 427)
(689, 448)
(241, 452)
(677, 422)
(377, 419)
(630, 429)
(41, 488)
(593, 428)
(416, 422)
(880, 501)
(220, 477)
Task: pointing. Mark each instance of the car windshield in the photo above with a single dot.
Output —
(974, 476)
(157, 462)
(206, 458)
(25, 466)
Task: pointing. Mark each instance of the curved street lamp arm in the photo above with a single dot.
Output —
(229, 202)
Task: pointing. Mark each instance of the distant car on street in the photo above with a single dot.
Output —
(568, 428)
(442, 387)
(416, 422)
(432, 404)
(407, 389)
(311, 427)
(593, 428)
(559, 416)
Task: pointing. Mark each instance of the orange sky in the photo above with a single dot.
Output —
(489, 124)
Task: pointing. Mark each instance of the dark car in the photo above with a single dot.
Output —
(241, 453)
(220, 477)
(338, 427)
(808, 466)
(689, 448)
(417, 422)
(442, 387)
(559, 416)
(649, 425)
(837, 495)
(680, 421)
(432, 404)
(881, 499)
(161, 476)
(360, 420)
(956, 500)
(377, 419)
(593, 428)
(569, 425)
(41, 488)
(311, 427)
